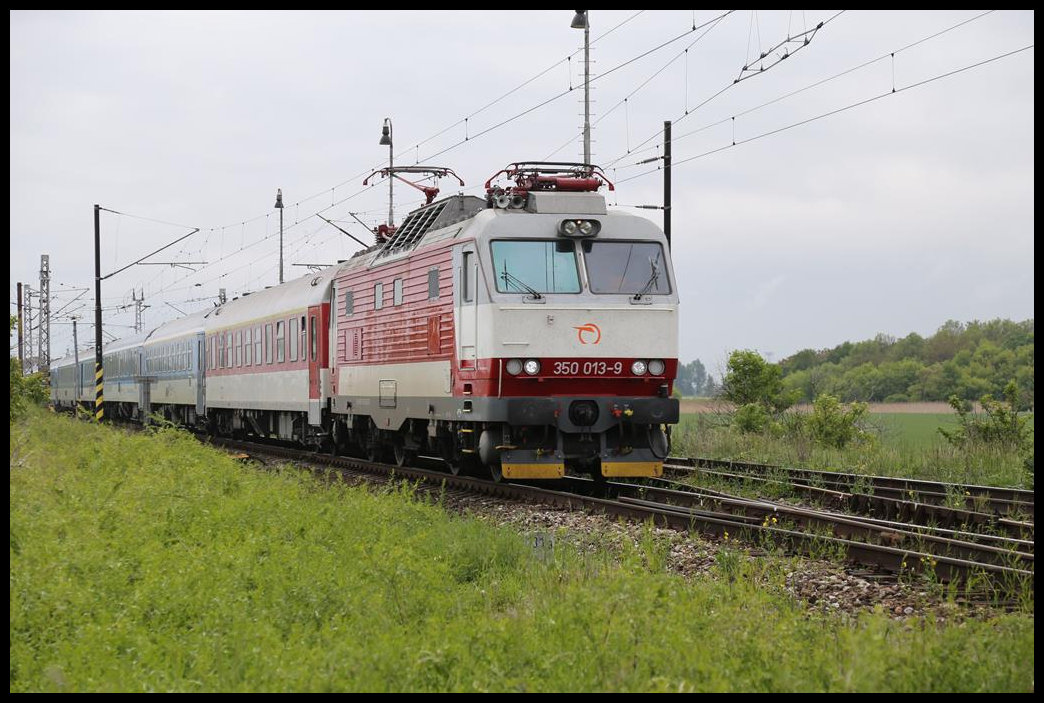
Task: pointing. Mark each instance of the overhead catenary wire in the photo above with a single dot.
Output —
(503, 123)
(816, 84)
(688, 112)
(894, 91)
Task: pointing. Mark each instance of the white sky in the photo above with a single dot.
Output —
(889, 217)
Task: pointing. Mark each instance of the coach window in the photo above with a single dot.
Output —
(304, 340)
(268, 344)
(349, 303)
(293, 339)
(315, 337)
(280, 339)
(257, 345)
(468, 276)
(228, 351)
(248, 347)
(239, 348)
(378, 296)
(397, 291)
(433, 283)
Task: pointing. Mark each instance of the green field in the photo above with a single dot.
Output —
(916, 430)
(152, 563)
(900, 444)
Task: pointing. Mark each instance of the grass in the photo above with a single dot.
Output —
(905, 444)
(152, 563)
(916, 430)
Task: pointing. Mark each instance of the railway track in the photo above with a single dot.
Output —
(1014, 502)
(858, 495)
(1005, 565)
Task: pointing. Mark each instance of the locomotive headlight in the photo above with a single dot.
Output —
(638, 368)
(514, 366)
(657, 367)
(579, 228)
(532, 367)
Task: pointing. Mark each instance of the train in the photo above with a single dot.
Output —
(528, 334)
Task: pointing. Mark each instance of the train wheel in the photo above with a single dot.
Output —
(333, 440)
(403, 456)
(463, 465)
(496, 472)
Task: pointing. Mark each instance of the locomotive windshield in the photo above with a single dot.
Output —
(535, 267)
(635, 268)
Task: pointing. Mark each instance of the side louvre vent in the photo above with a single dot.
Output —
(409, 233)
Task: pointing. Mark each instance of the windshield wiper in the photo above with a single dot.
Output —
(654, 277)
(519, 283)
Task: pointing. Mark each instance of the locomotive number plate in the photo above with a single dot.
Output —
(587, 368)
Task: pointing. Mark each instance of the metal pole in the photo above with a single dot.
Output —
(76, 358)
(667, 181)
(587, 92)
(99, 401)
(21, 351)
(391, 179)
(28, 330)
(45, 315)
(279, 205)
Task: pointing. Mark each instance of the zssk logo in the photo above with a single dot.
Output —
(585, 332)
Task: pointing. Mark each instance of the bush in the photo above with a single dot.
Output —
(750, 379)
(836, 425)
(25, 390)
(751, 418)
(1000, 425)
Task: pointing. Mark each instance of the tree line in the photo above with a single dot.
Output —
(966, 360)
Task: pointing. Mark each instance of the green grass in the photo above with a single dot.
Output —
(152, 563)
(904, 444)
(916, 430)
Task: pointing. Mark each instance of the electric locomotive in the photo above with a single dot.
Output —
(529, 333)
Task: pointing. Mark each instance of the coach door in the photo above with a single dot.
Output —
(315, 349)
(200, 363)
(467, 307)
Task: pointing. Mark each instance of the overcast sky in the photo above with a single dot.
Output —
(891, 216)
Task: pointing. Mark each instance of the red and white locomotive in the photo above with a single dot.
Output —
(528, 333)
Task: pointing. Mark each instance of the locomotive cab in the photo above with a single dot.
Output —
(567, 331)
